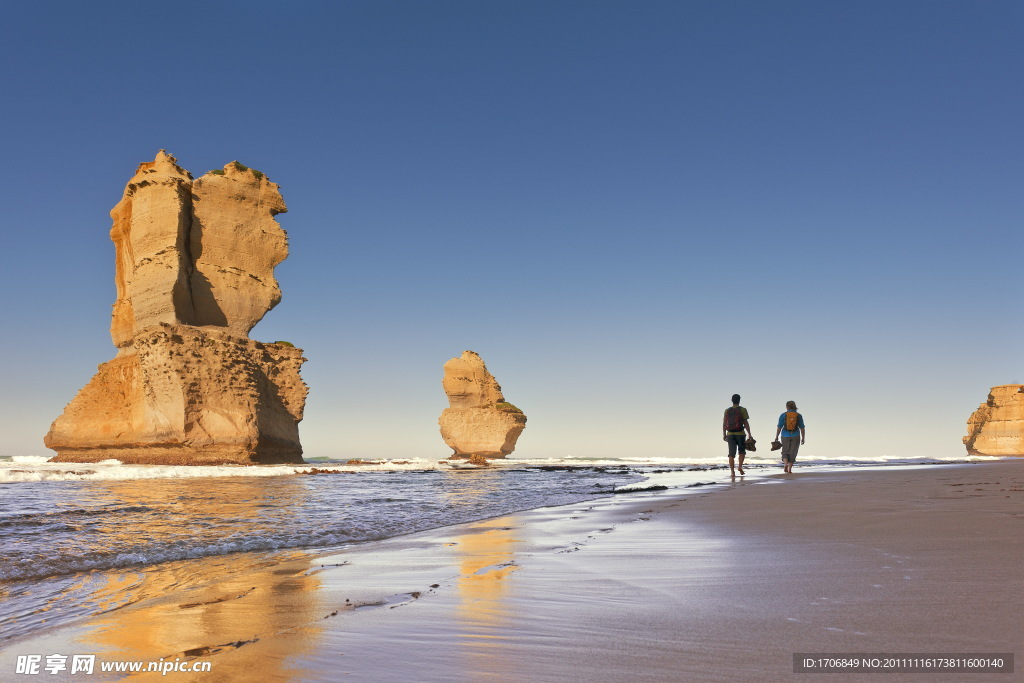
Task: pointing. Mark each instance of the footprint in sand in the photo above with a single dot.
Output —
(207, 650)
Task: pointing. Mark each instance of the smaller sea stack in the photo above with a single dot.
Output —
(479, 420)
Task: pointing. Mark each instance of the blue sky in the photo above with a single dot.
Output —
(631, 210)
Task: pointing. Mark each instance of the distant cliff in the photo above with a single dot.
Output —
(997, 426)
(479, 421)
(194, 262)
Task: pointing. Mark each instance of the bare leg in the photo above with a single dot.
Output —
(732, 466)
(742, 456)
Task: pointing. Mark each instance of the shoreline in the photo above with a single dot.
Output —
(43, 469)
(663, 586)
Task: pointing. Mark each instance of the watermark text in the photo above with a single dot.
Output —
(33, 665)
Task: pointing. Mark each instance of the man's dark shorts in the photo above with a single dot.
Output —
(737, 441)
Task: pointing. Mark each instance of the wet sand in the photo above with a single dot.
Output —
(722, 585)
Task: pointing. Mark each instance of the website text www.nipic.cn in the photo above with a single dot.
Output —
(30, 665)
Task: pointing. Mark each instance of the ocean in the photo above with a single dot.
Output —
(77, 539)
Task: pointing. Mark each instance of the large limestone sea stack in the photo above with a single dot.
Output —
(997, 426)
(194, 273)
(479, 422)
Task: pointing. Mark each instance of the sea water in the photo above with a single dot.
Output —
(77, 539)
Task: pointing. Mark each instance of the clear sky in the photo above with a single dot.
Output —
(631, 210)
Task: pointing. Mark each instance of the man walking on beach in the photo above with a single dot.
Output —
(735, 429)
(791, 426)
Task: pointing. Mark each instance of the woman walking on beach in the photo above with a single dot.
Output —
(791, 426)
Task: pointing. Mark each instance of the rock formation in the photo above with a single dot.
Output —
(479, 422)
(997, 426)
(194, 263)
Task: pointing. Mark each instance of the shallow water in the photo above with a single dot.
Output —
(60, 540)
(80, 539)
(61, 527)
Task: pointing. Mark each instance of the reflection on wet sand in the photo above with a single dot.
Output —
(204, 609)
(238, 604)
(486, 558)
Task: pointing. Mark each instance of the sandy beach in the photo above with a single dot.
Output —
(680, 585)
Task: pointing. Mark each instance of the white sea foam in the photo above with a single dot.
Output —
(24, 458)
(38, 469)
(35, 468)
(762, 457)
